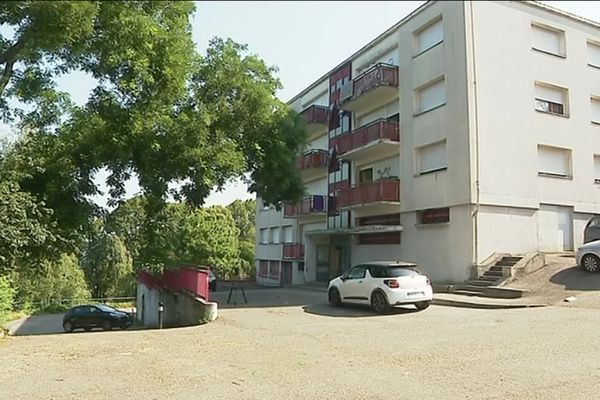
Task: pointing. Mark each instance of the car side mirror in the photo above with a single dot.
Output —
(344, 277)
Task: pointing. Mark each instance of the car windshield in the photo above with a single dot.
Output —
(105, 308)
(380, 271)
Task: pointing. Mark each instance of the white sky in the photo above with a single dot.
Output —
(303, 39)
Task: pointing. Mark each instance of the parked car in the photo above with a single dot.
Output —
(95, 316)
(588, 256)
(592, 230)
(382, 284)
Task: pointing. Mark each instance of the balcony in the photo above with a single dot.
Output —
(313, 164)
(380, 197)
(377, 140)
(293, 251)
(315, 117)
(309, 207)
(373, 88)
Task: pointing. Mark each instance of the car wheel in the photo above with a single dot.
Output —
(379, 302)
(68, 327)
(87, 328)
(590, 263)
(106, 325)
(334, 297)
(422, 305)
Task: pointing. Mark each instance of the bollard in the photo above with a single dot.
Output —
(161, 309)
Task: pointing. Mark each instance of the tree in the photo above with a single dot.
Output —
(107, 264)
(205, 236)
(244, 216)
(25, 228)
(49, 283)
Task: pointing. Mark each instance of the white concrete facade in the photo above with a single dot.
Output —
(498, 140)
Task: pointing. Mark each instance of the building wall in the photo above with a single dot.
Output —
(506, 128)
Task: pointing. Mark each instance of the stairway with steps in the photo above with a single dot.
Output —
(491, 277)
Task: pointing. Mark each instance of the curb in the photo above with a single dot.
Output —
(483, 306)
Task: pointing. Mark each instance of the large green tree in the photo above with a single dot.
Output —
(107, 264)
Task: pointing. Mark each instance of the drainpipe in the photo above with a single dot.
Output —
(476, 131)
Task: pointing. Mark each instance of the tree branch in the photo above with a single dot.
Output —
(6, 75)
(13, 51)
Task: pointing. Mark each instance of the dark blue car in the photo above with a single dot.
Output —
(87, 317)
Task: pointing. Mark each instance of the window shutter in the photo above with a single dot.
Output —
(430, 36)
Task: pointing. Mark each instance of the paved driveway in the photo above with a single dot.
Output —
(315, 351)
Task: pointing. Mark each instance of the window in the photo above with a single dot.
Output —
(274, 269)
(548, 40)
(432, 157)
(275, 235)
(550, 99)
(429, 36)
(286, 235)
(263, 268)
(597, 168)
(357, 272)
(383, 271)
(434, 216)
(365, 176)
(430, 96)
(595, 103)
(264, 235)
(554, 161)
(593, 54)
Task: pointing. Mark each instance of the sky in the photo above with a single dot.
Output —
(303, 39)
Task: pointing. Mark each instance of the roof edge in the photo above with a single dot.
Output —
(366, 47)
(563, 13)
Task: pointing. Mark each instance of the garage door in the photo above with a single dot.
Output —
(555, 228)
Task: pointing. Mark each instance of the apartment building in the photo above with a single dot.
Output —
(467, 128)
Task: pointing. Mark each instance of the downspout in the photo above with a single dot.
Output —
(476, 131)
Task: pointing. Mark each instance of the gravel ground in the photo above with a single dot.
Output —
(296, 351)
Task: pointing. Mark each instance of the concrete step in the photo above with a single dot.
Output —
(467, 293)
(495, 274)
(478, 283)
(496, 268)
(489, 278)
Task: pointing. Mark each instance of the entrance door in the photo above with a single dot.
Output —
(286, 272)
(555, 228)
(322, 263)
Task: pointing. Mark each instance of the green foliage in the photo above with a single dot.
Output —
(244, 216)
(49, 283)
(7, 296)
(205, 236)
(25, 229)
(107, 264)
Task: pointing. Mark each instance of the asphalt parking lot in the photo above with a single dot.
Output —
(305, 349)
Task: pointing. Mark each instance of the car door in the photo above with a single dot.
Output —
(77, 317)
(592, 230)
(95, 316)
(352, 287)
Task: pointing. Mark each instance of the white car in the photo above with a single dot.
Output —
(588, 256)
(382, 284)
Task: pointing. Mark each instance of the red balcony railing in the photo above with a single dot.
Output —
(308, 205)
(378, 75)
(384, 190)
(313, 159)
(315, 114)
(380, 129)
(293, 251)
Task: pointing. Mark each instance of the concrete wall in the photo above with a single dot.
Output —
(509, 129)
(180, 308)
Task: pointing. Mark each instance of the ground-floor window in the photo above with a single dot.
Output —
(274, 269)
(434, 216)
(380, 238)
(263, 268)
